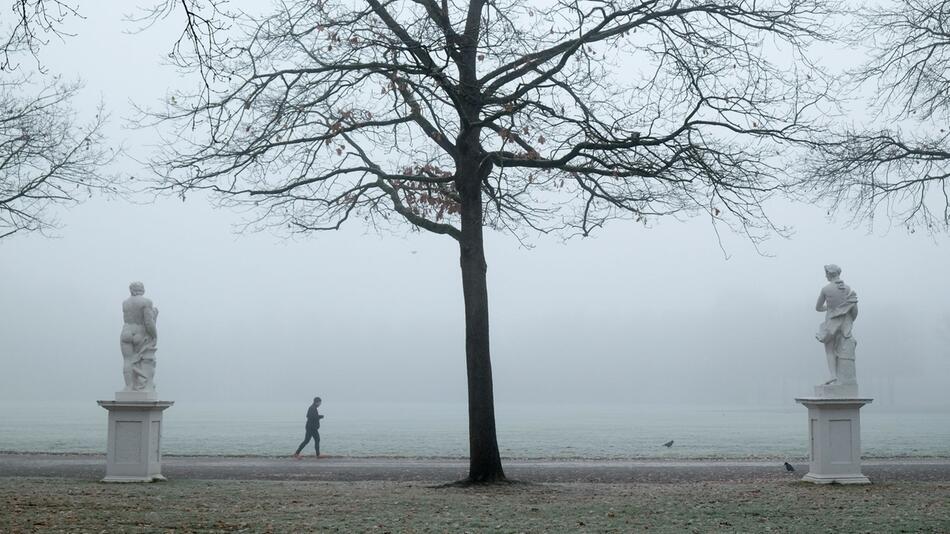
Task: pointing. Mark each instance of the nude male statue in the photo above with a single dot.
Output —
(138, 340)
(840, 304)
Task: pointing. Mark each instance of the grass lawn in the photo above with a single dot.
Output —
(52, 504)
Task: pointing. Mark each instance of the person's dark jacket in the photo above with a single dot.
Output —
(313, 417)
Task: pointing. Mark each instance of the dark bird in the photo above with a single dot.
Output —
(788, 467)
(668, 444)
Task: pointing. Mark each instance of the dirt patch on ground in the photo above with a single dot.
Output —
(58, 504)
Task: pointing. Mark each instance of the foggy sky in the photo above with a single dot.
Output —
(633, 314)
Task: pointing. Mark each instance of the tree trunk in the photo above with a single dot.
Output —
(484, 462)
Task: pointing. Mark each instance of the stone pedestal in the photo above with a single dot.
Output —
(134, 450)
(834, 432)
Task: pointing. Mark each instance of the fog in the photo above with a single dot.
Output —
(663, 313)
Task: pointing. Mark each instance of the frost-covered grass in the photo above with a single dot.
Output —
(51, 504)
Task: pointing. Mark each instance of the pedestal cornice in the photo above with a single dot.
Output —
(834, 400)
(134, 405)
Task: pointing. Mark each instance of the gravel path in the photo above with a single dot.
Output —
(404, 470)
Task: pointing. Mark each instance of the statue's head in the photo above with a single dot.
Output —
(832, 271)
(137, 288)
(317, 401)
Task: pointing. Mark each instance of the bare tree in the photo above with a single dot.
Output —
(31, 23)
(47, 156)
(898, 162)
(454, 116)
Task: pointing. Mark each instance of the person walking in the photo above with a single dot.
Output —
(313, 428)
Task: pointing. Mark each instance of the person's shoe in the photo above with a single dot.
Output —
(296, 456)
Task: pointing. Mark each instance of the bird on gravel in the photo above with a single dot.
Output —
(668, 444)
(788, 467)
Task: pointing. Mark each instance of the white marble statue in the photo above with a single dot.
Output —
(840, 304)
(138, 340)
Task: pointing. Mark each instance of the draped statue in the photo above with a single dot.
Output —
(840, 304)
(139, 340)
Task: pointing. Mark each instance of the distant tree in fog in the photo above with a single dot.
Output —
(456, 116)
(47, 156)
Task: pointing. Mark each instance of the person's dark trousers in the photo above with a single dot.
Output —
(311, 433)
